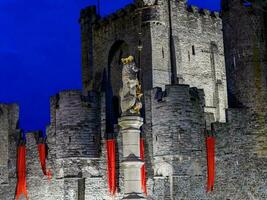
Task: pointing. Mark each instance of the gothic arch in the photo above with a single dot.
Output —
(118, 50)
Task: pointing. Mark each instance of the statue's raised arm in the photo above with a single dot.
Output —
(130, 93)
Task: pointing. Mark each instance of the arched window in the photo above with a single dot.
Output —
(193, 50)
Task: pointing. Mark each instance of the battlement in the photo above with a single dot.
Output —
(121, 13)
(191, 16)
(32, 158)
(177, 122)
(151, 13)
(9, 117)
(203, 12)
(76, 122)
(88, 12)
(175, 91)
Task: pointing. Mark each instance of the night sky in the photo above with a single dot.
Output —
(40, 51)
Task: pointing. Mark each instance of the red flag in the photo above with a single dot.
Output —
(143, 168)
(210, 145)
(111, 151)
(21, 172)
(42, 157)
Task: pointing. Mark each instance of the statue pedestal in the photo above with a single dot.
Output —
(130, 130)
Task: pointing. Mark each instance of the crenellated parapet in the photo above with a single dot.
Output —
(9, 117)
(177, 124)
(88, 16)
(9, 131)
(200, 12)
(128, 10)
(75, 121)
(197, 18)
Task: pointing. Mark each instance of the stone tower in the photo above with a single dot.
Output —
(245, 40)
(88, 17)
(176, 47)
(9, 116)
(180, 44)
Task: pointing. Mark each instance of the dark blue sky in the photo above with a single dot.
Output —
(40, 51)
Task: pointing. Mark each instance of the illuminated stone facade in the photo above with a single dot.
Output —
(184, 80)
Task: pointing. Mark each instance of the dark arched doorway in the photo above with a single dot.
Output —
(118, 50)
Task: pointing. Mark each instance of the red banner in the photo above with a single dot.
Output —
(42, 158)
(111, 158)
(21, 172)
(210, 145)
(143, 168)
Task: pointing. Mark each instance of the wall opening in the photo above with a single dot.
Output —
(193, 50)
(118, 50)
(188, 56)
(81, 189)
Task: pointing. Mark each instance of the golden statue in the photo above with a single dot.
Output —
(131, 91)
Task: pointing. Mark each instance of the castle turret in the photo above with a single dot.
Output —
(87, 18)
(178, 151)
(245, 40)
(245, 37)
(74, 140)
(76, 121)
(9, 116)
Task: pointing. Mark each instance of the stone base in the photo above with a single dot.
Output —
(133, 196)
(130, 131)
(131, 121)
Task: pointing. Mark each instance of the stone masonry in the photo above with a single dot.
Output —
(198, 48)
(184, 75)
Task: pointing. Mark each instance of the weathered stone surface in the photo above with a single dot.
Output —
(9, 116)
(174, 115)
(198, 48)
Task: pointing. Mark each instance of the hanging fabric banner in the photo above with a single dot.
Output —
(210, 145)
(143, 168)
(21, 172)
(42, 157)
(111, 161)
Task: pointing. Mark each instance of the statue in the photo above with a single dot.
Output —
(130, 93)
(146, 2)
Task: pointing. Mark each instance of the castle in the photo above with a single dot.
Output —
(200, 70)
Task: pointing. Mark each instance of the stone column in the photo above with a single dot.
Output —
(130, 130)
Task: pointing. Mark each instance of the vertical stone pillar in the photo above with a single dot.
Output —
(130, 130)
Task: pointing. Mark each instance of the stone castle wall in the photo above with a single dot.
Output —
(197, 39)
(38, 185)
(177, 167)
(199, 53)
(76, 121)
(178, 142)
(74, 141)
(177, 121)
(240, 158)
(174, 116)
(9, 116)
(246, 51)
